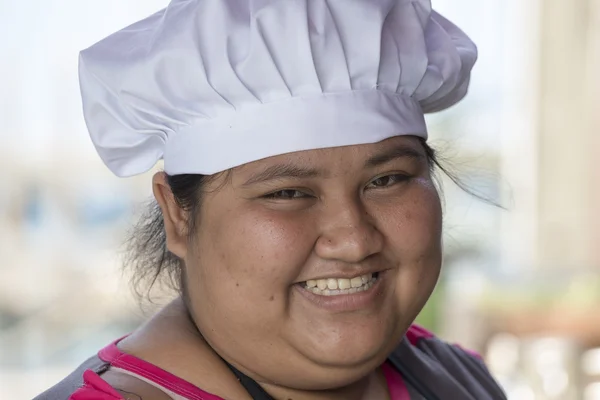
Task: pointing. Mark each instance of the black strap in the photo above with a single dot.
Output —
(253, 388)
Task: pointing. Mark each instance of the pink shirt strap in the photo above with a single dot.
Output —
(95, 388)
(396, 385)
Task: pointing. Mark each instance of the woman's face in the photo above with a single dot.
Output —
(307, 268)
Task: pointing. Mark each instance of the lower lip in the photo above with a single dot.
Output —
(345, 302)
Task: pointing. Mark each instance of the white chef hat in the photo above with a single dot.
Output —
(208, 85)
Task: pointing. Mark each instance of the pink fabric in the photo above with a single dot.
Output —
(396, 386)
(95, 388)
(416, 333)
(117, 358)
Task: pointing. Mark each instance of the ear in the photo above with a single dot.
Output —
(175, 218)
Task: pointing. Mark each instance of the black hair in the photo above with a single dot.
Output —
(146, 255)
(147, 258)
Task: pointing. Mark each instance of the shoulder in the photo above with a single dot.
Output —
(115, 386)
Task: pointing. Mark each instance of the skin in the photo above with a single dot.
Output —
(257, 241)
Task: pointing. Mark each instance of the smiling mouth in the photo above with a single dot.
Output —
(340, 286)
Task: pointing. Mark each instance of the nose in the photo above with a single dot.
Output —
(348, 234)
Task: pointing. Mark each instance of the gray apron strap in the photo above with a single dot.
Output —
(65, 388)
(441, 371)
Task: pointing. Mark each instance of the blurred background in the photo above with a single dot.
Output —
(521, 285)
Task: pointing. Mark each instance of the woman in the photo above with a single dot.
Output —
(297, 211)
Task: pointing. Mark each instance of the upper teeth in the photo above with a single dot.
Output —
(340, 285)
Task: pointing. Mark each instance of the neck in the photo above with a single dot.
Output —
(372, 387)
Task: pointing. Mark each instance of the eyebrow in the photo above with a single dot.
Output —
(287, 171)
(393, 153)
(281, 171)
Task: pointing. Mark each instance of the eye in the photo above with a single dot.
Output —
(286, 194)
(388, 180)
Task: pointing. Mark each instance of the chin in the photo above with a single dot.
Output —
(342, 358)
(336, 367)
(353, 348)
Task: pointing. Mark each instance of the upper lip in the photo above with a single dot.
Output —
(344, 274)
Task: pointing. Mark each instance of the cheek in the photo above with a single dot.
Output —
(260, 251)
(241, 271)
(415, 231)
(272, 245)
(414, 240)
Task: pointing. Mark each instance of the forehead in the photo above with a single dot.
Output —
(329, 158)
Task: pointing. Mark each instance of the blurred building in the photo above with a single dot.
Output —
(543, 305)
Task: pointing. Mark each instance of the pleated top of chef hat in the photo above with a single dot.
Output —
(208, 85)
